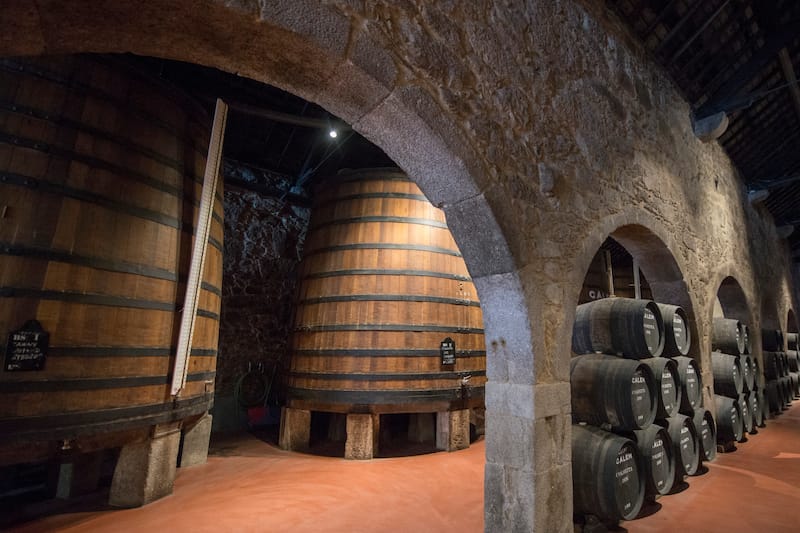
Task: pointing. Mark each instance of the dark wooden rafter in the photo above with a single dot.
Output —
(729, 95)
(675, 55)
(675, 31)
(740, 57)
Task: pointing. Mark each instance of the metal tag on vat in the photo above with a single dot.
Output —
(26, 348)
(447, 349)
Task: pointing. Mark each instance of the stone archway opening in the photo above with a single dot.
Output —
(632, 248)
(731, 302)
(312, 52)
(632, 271)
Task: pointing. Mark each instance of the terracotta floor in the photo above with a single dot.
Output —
(252, 486)
(753, 489)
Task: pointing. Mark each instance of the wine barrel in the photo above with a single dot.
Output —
(382, 286)
(619, 326)
(772, 340)
(607, 475)
(748, 372)
(677, 337)
(668, 385)
(758, 376)
(786, 391)
(756, 412)
(726, 336)
(655, 447)
(685, 443)
(794, 361)
(784, 364)
(611, 390)
(774, 396)
(773, 367)
(729, 419)
(748, 340)
(691, 384)
(791, 341)
(101, 179)
(795, 379)
(707, 433)
(747, 415)
(727, 374)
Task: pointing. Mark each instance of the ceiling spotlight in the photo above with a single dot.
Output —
(333, 134)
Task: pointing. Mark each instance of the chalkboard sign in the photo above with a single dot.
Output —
(26, 348)
(447, 349)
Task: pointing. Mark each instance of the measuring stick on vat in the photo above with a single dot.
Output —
(199, 248)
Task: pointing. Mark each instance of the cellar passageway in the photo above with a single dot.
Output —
(249, 485)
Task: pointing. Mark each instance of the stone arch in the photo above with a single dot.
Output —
(732, 301)
(647, 240)
(318, 53)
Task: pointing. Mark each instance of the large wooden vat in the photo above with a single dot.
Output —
(100, 180)
(382, 284)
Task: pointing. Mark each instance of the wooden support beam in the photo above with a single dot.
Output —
(791, 78)
(677, 28)
(729, 93)
(199, 247)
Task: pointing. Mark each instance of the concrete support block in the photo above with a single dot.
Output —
(195, 442)
(295, 430)
(81, 475)
(145, 470)
(421, 427)
(452, 430)
(362, 436)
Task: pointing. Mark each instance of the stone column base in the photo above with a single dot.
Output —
(295, 430)
(362, 436)
(145, 470)
(195, 442)
(452, 430)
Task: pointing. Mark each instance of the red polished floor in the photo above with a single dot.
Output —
(251, 486)
(753, 489)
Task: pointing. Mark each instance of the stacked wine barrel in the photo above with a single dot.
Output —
(739, 398)
(781, 369)
(639, 425)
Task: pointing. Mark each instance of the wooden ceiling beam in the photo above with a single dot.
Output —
(791, 78)
(729, 93)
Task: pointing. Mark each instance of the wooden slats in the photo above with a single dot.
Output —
(102, 203)
(382, 284)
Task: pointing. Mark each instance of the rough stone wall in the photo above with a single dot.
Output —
(540, 127)
(263, 244)
(571, 133)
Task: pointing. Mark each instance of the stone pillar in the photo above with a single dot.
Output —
(362, 436)
(421, 427)
(81, 475)
(195, 442)
(452, 430)
(510, 482)
(145, 470)
(295, 431)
